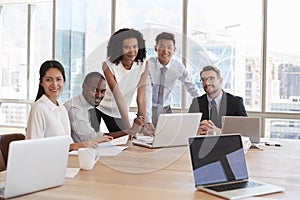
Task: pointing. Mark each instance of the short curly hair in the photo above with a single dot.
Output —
(114, 48)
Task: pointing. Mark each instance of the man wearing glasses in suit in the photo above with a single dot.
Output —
(215, 103)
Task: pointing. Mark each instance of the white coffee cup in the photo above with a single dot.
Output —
(246, 143)
(87, 158)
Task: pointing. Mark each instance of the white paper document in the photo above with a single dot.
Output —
(106, 150)
(72, 172)
(110, 150)
(74, 152)
(120, 141)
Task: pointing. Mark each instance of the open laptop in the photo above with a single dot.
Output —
(35, 164)
(171, 130)
(247, 126)
(219, 167)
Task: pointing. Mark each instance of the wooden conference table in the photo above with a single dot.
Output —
(140, 173)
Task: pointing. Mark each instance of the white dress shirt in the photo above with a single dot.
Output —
(175, 71)
(78, 109)
(47, 119)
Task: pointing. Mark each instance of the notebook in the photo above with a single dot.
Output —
(247, 126)
(171, 130)
(219, 168)
(35, 164)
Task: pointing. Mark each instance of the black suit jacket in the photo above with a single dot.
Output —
(234, 106)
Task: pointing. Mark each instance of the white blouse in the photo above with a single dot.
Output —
(47, 119)
(127, 81)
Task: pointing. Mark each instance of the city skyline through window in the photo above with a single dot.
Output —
(229, 36)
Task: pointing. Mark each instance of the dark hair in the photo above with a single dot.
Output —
(114, 48)
(165, 36)
(43, 69)
(211, 68)
(91, 75)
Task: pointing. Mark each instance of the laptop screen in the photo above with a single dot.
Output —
(217, 159)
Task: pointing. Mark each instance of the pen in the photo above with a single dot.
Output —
(273, 144)
(138, 115)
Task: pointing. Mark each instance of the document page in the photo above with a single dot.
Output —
(111, 148)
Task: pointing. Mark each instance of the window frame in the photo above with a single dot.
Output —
(264, 114)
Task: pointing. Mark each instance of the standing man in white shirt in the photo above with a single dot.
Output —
(164, 71)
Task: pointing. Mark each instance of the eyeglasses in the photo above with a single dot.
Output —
(210, 79)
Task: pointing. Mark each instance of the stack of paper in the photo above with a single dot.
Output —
(111, 148)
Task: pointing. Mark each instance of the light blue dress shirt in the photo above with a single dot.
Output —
(175, 71)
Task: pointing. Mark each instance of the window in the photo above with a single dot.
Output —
(13, 52)
(82, 29)
(25, 42)
(228, 37)
(283, 57)
(283, 128)
(225, 33)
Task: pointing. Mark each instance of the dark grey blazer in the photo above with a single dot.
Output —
(230, 106)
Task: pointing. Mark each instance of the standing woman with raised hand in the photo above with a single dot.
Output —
(126, 72)
(47, 116)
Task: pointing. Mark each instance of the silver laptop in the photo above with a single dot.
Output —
(172, 130)
(247, 126)
(219, 168)
(35, 164)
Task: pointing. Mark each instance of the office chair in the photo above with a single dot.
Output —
(4, 146)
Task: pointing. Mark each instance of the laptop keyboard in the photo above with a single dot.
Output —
(233, 186)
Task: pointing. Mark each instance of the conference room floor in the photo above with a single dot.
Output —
(141, 173)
